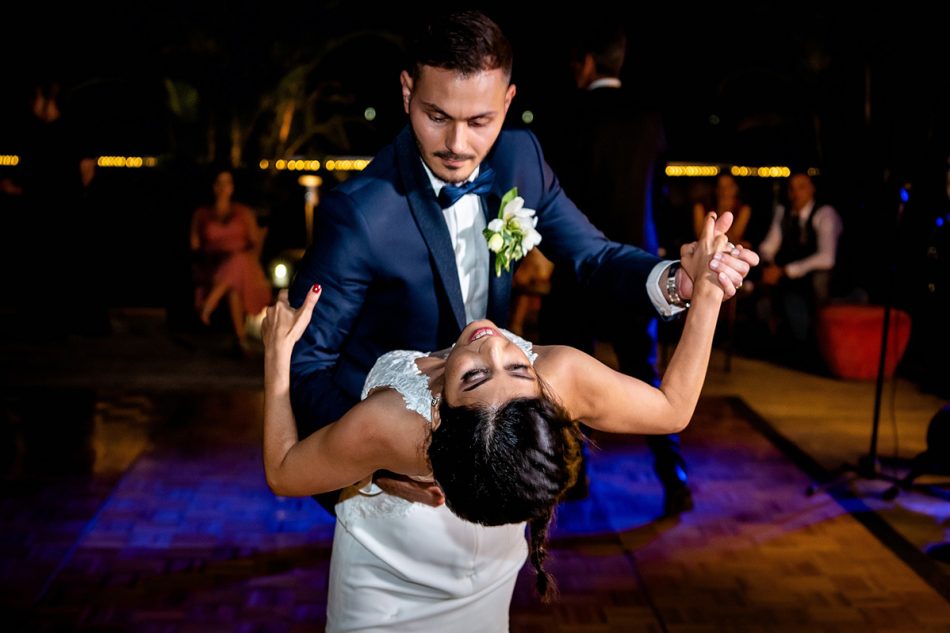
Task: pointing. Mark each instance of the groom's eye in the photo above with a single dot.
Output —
(437, 118)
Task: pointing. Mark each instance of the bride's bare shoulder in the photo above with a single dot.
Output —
(388, 401)
(549, 353)
(556, 364)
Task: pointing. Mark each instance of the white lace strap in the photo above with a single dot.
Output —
(525, 346)
(398, 370)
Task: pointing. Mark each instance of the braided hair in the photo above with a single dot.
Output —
(508, 464)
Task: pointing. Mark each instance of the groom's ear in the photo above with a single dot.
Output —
(509, 96)
(406, 80)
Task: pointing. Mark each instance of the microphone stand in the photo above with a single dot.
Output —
(868, 466)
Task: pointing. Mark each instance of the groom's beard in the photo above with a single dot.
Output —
(445, 155)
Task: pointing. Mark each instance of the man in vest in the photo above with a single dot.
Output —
(799, 251)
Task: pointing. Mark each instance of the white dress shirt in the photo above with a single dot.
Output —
(827, 225)
(466, 221)
(604, 82)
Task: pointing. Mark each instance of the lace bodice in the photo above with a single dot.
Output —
(398, 370)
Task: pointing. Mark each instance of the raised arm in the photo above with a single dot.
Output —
(610, 401)
(629, 275)
(372, 435)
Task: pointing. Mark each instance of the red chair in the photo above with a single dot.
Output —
(849, 338)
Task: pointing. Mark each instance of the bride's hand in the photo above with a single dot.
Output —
(701, 261)
(283, 326)
(731, 268)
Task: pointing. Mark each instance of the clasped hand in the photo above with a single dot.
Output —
(713, 255)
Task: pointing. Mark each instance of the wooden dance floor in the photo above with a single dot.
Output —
(174, 529)
(187, 537)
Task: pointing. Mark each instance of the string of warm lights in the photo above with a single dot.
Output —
(681, 169)
(777, 171)
(132, 162)
(291, 165)
(331, 164)
(740, 171)
(358, 164)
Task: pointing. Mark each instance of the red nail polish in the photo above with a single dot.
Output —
(316, 288)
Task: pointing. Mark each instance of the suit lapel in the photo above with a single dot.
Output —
(499, 288)
(428, 215)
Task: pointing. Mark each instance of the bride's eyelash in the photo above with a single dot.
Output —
(472, 373)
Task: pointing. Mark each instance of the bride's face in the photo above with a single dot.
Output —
(485, 368)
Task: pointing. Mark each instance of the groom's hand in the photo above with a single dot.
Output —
(731, 268)
(427, 492)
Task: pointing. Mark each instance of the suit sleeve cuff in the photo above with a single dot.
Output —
(656, 295)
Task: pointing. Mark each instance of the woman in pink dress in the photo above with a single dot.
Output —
(226, 234)
(727, 199)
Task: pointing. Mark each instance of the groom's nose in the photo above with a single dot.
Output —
(455, 137)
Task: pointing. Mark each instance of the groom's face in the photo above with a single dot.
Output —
(455, 118)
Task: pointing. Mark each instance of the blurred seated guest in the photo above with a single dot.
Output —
(227, 240)
(799, 250)
(727, 199)
(531, 281)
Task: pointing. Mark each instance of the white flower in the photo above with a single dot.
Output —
(496, 242)
(512, 234)
(532, 239)
(512, 208)
(526, 224)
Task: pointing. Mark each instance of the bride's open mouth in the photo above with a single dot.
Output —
(481, 332)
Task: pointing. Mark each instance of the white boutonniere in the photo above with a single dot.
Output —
(512, 234)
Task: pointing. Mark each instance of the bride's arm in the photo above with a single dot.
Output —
(346, 451)
(610, 401)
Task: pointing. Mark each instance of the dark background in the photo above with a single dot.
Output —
(861, 94)
(871, 79)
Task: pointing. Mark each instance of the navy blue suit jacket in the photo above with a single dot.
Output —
(383, 254)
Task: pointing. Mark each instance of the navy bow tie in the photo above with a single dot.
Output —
(451, 194)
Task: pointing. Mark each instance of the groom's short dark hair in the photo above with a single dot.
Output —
(467, 42)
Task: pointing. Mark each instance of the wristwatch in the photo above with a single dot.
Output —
(672, 291)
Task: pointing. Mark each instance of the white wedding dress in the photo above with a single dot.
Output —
(402, 566)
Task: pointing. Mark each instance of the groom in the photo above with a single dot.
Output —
(399, 249)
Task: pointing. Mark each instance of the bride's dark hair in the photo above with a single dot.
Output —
(508, 464)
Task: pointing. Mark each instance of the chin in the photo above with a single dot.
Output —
(453, 176)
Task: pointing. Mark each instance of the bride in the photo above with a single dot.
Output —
(494, 422)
